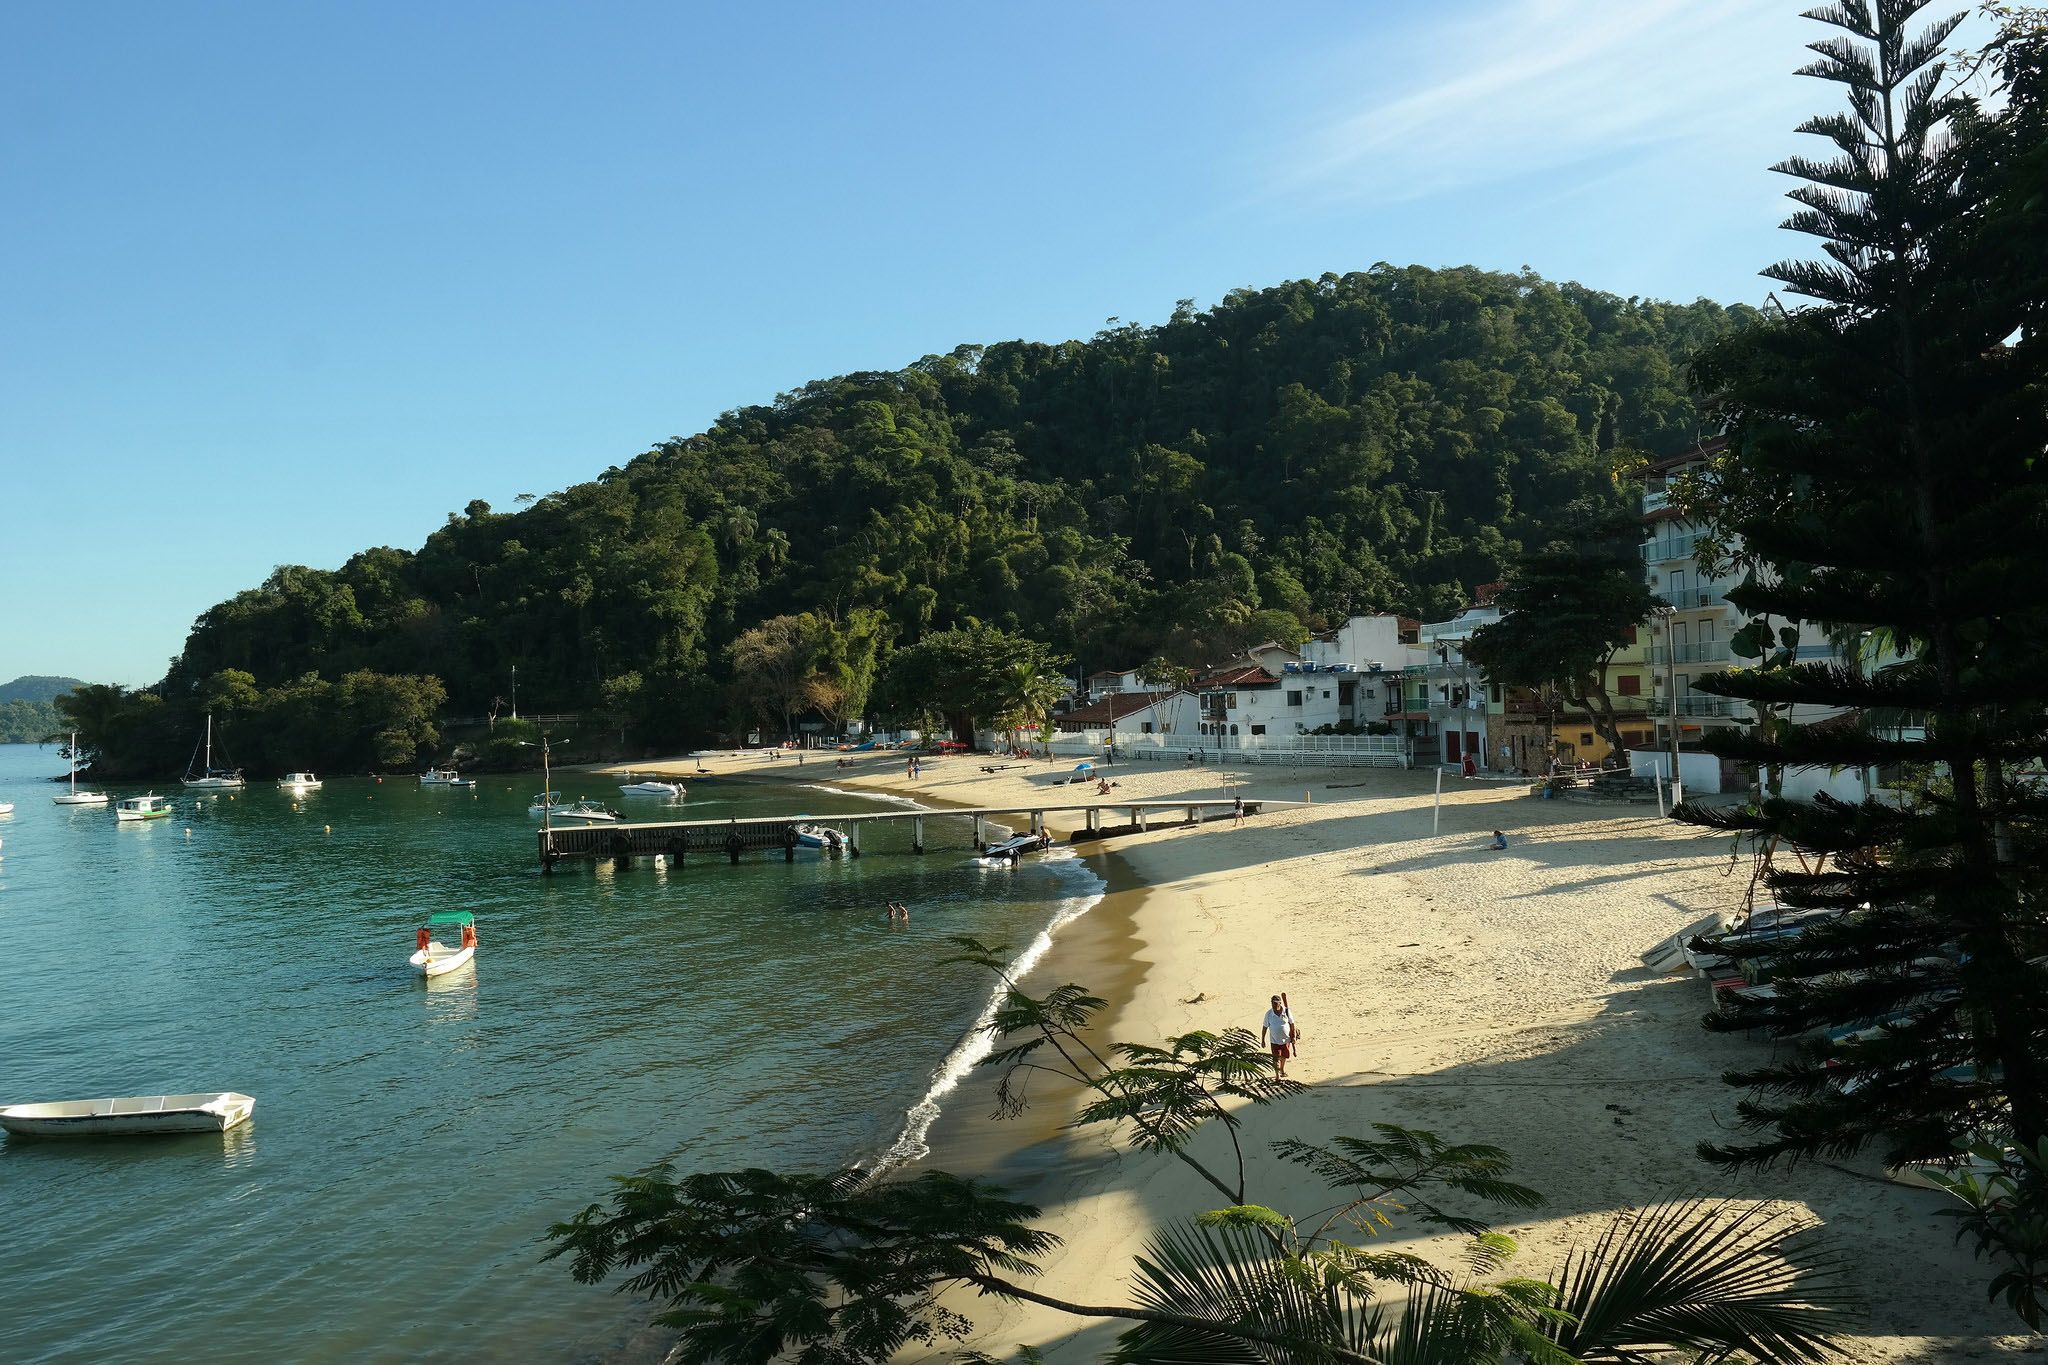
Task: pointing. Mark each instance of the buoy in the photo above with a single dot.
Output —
(380, 781)
(295, 805)
(188, 831)
(327, 829)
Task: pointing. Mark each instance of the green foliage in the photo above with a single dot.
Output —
(1884, 474)
(754, 1266)
(28, 722)
(1356, 442)
(1572, 603)
(981, 675)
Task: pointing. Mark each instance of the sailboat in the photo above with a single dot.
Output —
(75, 797)
(210, 778)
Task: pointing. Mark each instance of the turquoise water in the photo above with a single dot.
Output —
(412, 1140)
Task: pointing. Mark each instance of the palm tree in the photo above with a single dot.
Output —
(1027, 698)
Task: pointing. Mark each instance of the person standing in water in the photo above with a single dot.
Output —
(1281, 1033)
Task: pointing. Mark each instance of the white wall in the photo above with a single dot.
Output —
(1699, 773)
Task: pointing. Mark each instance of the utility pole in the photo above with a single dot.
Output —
(515, 691)
(1664, 615)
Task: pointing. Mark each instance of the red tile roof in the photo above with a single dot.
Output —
(1098, 715)
(1245, 675)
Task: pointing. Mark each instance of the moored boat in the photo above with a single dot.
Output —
(75, 797)
(151, 807)
(435, 958)
(821, 838)
(587, 812)
(206, 777)
(299, 782)
(445, 777)
(6, 808)
(544, 802)
(132, 1116)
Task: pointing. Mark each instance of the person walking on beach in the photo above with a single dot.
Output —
(1281, 1033)
(1236, 811)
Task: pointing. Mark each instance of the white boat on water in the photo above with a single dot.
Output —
(299, 782)
(672, 791)
(6, 808)
(584, 812)
(820, 838)
(435, 958)
(135, 1115)
(151, 807)
(544, 802)
(75, 797)
(206, 777)
(445, 777)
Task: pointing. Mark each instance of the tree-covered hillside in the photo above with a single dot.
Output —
(1378, 440)
(27, 715)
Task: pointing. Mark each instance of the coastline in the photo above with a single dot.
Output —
(1488, 997)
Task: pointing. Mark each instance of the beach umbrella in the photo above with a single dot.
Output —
(1084, 767)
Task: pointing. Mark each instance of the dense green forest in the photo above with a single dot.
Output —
(1381, 440)
(28, 714)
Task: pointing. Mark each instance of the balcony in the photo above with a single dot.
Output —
(1664, 549)
(1689, 599)
(1697, 652)
(1700, 705)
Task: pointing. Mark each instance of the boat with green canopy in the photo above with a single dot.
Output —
(436, 958)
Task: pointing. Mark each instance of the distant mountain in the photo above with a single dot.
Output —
(35, 687)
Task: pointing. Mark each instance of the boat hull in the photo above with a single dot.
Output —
(81, 799)
(134, 1116)
(214, 784)
(136, 817)
(431, 965)
(670, 790)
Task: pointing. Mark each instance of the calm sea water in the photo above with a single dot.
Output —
(413, 1140)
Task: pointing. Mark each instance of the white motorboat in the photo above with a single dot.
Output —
(587, 812)
(544, 802)
(445, 777)
(151, 807)
(206, 777)
(75, 797)
(299, 782)
(136, 1115)
(821, 838)
(672, 791)
(6, 808)
(435, 958)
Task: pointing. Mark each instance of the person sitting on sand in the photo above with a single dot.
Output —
(1499, 840)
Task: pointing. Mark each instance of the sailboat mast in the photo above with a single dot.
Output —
(74, 762)
(208, 769)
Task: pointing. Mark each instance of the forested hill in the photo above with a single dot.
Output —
(1379, 440)
(26, 713)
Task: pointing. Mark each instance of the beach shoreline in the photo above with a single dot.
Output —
(1485, 996)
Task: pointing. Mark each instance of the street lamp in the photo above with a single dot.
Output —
(1664, 615)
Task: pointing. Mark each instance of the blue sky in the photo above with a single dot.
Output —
(288, 281)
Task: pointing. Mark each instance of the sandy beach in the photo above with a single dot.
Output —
(1486, 996)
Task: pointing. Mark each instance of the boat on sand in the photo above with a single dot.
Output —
(133, 1116)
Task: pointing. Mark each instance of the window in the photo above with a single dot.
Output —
(1326, 694)
(1258, 729)
(1146, 728)
(1294, 696)
(1628, 637)
(1230, 700)
(1233, 731)
(1629, 685)
(1586, 738)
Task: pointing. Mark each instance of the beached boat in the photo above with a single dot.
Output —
(133, 1116)
(445, 777)
(435, 958)
(150, 807)
(586, 812)
(299, 782)
(820, 839)
(673, 791)
(75, 797)
(201, 775)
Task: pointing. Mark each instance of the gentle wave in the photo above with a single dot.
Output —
(968, 1053)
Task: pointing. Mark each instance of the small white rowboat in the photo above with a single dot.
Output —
(135, 1115)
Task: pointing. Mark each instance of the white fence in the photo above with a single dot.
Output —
(1336, 751)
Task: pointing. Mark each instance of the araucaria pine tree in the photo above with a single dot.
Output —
(1885, 479)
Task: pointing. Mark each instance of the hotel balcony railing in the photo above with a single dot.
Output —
(1656, 500)
(1699, 704)
(1686, 599)
(1696, 652)
(1666, 548)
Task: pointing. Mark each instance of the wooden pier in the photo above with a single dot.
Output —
(679, 840)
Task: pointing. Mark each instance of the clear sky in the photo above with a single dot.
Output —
(286, 281)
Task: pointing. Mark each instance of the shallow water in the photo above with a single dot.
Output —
(412, 1140)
